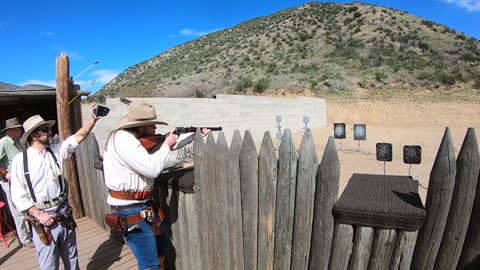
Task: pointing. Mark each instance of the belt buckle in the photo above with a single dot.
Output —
(144, 213)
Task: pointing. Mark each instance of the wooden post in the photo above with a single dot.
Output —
(305, 195)
(286, 184)
(211, 201)
(342, 245)
(267, 185)
(470, 257)
(439, 196)
(201, 197)
(249, 188)
(362, 244)
(328, 178)
(235, 204)
(382, 249)
(221, 221)
(64, 114)
(403, 250)
(462, 204)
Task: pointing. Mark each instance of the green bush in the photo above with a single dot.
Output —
(243, 83)
(261, 85)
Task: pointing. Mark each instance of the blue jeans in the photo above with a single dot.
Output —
(146, 247)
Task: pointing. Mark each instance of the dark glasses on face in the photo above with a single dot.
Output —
(45, 129)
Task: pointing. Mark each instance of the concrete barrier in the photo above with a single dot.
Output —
(254, 113)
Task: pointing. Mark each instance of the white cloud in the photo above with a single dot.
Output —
(191, 32)
(74, 56)
(51, 83)
(104, 75)
(47, 34)
(470, 5)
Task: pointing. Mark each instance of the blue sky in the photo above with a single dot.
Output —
(121, 33)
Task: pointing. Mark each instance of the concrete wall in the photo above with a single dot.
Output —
(232, 112)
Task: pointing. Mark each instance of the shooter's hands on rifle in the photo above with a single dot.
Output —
(171, 139)
(45, 219)
(205, 131)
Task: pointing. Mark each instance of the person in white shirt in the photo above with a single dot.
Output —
(39, 190)
(130, 171)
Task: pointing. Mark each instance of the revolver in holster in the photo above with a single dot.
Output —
(42, 231)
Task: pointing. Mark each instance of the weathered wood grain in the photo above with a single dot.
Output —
(342, 246)
(403, 250)
(235, 204)
(461, 205)
(286, 185)
(439, 195)
(362, 244)
(249, 191)
(267, 185)
(327, 182)
(305, 195)
(382, 249)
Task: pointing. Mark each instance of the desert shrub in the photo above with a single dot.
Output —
(242, 84)
(380, 75)
(261, 85)
(446, 79)
(334, 85)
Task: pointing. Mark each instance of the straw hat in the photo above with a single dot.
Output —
(11, 123)
(139, 114)
(32, 124)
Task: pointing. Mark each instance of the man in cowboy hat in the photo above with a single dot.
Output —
(130, 171)
(39, 190)
(9, 147)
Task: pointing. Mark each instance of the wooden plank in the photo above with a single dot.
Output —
(382, 249)
(249, 191)
(470, 256)
(221, 252)
(286, 185)
(174, 255)
(211, 196)
(327, 183)
(305, 195)
(235, 204)
(267, 185)
(64, 114)
(362, 244)
(403, 250)
(95, 251)
(342, 245)
(201, 196)
(193, 242)
(461, 205)
(439, 195)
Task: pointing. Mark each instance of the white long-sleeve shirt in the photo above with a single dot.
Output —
(43, 174)
(127, 166)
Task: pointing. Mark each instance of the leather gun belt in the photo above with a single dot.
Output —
(131, 195)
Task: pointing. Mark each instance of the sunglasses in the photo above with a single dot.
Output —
(45, 129)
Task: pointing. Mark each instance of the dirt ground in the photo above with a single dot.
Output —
(401, 122)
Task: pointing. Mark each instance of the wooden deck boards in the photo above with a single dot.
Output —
(95, 250)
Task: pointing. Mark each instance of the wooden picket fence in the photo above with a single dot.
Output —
(273, 210)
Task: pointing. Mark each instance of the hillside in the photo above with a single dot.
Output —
(321, 47)
(7, 87)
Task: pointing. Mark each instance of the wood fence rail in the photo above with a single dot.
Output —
(273, 210)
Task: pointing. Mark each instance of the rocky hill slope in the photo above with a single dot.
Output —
(322, 47)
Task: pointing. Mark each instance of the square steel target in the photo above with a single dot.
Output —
(412, 154)
(339, 131)
(384, 152)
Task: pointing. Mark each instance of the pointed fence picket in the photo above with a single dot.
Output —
(273, 210)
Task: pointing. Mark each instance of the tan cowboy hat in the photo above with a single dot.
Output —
(139, 114)
(11, 123)
(32, 124)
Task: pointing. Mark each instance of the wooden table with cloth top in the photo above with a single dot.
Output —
(381, 201)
